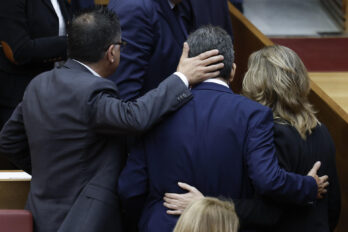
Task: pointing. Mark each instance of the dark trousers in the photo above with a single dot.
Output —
(5, 114)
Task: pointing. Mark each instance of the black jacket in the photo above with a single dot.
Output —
(298, 155)
(29, 35)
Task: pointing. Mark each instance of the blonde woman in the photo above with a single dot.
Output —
(277, 78)
(208, 215)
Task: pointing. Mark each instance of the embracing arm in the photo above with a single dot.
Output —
(108, 114)
(252, 213)
(14, 142)
(266, 175)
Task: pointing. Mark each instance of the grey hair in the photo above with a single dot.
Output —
(210, 37)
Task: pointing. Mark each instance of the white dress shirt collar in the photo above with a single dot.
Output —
(89, 69)
(62, 27)
(217, 81)
(171, 4)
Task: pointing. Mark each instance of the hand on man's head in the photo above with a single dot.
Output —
(201, 67)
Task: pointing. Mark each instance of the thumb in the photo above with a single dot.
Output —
(315, 169)
(185, 186)
(185, 51)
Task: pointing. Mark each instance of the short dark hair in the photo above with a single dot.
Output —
(91, 33)
(210, 37)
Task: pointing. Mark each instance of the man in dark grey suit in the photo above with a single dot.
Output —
(72, 126)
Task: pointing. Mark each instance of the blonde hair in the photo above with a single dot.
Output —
(208, 215)
(277, 78)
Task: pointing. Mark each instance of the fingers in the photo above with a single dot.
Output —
(325, 185)
(211, 75)
(322, 185)
(321, 193)
(323, 178)
(208, 54)
(172, 201)
(171, 206)
(174, 212)
(214, 67)
(174, 206)
(212, 60)
(173, 196)
(315, 168)
(185, 51)
(199, 68)
(187, 187)
(324, 191)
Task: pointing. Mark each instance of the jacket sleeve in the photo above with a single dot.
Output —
(14, 143)
(110, 115)
(18, 44)
(137, 31)
(263, 168)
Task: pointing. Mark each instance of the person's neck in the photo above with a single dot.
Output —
(98, 68)
(171, 4)
(222, 79)
(218, 80)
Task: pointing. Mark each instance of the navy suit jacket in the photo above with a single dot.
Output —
(72, 125)
(78, 5)
(154, 37)
(198, 13)
(221, 143)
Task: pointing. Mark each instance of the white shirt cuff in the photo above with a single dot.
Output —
(183, 78)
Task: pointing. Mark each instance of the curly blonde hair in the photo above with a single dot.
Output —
(277, 78)
(208, 215)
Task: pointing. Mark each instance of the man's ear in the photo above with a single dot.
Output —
(233, 72)
(111, 53)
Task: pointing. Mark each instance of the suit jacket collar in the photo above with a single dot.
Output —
(66, 11)
(212, 86)
(49, 5)
(71, 64)
(63, 8)
(163, 9)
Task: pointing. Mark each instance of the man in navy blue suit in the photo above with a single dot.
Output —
(198, 13)
(154, 33)
(78, 5)
(220, 142)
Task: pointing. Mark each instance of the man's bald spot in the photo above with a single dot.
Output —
(85, 18)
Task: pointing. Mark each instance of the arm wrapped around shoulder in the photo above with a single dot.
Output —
(263, 168)
(109, 114)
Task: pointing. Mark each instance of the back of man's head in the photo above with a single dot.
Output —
(209, 37)
(91, 33)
